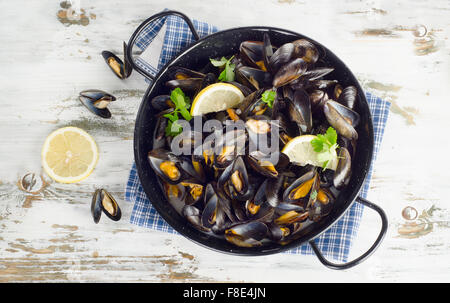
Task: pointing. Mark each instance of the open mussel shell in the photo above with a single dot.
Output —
(322, 205)
(299, 191)
(253, 77)
(247, 235)
(252, 52)
(292, 216)
(104, 202)
(169, 167)
(97, 101)
(269, 166)
(121, 69)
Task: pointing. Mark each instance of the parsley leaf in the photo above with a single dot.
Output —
(325, 145)
(173, 128)
(219, 63)
(227, 74)
(182, 104)
(268, 97)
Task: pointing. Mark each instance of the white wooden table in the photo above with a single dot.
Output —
(49, 235)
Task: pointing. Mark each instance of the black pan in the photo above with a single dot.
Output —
(226, 43)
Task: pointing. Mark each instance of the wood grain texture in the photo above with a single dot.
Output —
(47, 233)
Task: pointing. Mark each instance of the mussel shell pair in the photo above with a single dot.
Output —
(247, 234)
(171, 168)
(122, 69)
(104, 202)
(97, 101)
(235, 180)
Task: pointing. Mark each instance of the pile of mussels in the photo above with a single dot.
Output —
(238, 196)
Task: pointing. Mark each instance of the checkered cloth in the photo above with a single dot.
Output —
(168, 37)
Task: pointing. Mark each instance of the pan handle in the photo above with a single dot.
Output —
(143, 25)
(384, 226)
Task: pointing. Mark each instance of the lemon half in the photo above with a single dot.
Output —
(215, 98)
(69, 155)
(300, 150)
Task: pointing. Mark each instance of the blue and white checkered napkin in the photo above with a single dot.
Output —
(168, 37)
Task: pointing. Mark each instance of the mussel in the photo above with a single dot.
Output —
(121, 69)
(342, 119)
(247, 234)
(104, 202)
(97, 101)
(299, 192)
(322, 204)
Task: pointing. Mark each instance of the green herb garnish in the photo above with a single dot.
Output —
(326, 145)
(227, 74)
(268, 97)
(182, 104)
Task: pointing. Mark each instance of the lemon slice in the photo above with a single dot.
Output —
(300, 150)
(215, 98)
(69, 155)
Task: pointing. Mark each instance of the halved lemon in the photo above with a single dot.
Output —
(69, 155)
(300, 150)
(215, 98)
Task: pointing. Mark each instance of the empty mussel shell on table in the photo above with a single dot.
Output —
(121, 69)
(97, 101)
(104, 202)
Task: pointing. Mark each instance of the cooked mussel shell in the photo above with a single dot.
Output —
(251, 105)
(121, 69)
(299, 191)
(211, 209)
(193, 216)
(97, 101)
(289, 72)
(190, 85)
(343, 124)
(267, 51)
(317, 73)
(181, 73)
(343, 170)
(281, 56)
(306, 50)
(194, 192)
(292, 216)
(247, 235)
(162, 102)
(322, 205)
(103, 201)
(317, 98)
(273, 190)
(253, 54)
(167, 166)
(348, 97)
(253, 77)
(268, 165)
(300, 111)
(238, 181)
(278, 233)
